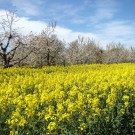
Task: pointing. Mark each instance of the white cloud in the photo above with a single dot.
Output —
(2, 12)
(118, 31)
(123, 31)
(66, 34)
(25, 26)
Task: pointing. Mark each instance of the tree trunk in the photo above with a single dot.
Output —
(48, 57)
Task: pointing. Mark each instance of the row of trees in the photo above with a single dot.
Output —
(37, 50)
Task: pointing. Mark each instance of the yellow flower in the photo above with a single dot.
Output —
(22, 121)
(14, 133)
(126, 104)
(125, 98)
(83, 126)
(66, 116)
(95, 102)
(52, 126)
(60, 95)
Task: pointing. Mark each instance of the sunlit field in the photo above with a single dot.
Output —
(72, 100)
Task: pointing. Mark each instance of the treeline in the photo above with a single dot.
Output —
(52, 51)
(45, 49)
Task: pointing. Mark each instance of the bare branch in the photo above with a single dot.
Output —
(19, 60)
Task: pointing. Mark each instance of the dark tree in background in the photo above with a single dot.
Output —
(10, 40)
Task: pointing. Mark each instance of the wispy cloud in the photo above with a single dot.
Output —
(93, 12)
(117, 31)
(61, 11)
(103, 10)
(1, 1)
(27, 7)
(89, 18)
(102, 14)
(74, 13)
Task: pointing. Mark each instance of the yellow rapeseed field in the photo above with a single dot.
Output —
(72, 100)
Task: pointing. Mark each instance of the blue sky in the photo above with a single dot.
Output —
(103, 20)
